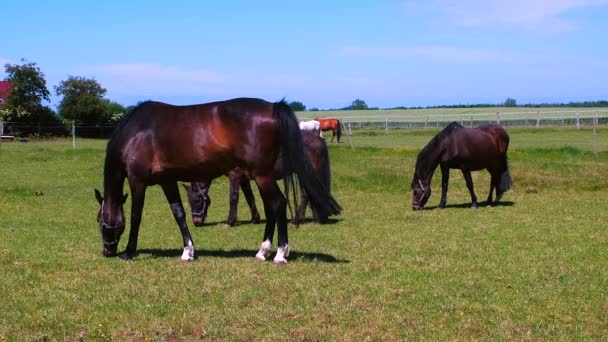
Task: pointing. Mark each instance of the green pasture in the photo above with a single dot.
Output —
(533, 268)
(455, 114)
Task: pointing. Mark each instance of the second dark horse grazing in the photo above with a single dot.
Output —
(467, 149)
(157, 143)
(316, 150)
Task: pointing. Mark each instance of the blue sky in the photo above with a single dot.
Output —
(322, 53)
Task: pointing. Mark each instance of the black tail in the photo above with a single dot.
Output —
(295, 162)
(339, 133)
(324, 174)
(505, 179)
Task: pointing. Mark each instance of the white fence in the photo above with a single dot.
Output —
(538, 119)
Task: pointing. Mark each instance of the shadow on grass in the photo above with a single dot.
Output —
(483, 204)
(239, 253)
(240, 224)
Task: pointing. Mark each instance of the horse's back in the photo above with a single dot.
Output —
(198, 141)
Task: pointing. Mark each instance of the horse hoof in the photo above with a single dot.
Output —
(279, 262)
(226, 225)
(125, 256)
(186, 259)
(260, 258)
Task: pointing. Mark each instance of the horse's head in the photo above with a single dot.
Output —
(111, 219)
(421, 193)
(199, 202)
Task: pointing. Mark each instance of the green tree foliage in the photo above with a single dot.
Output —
(83, 101)
(116, 111)
(509, 102)
(358, 104)
(297, 106)
(28, 90)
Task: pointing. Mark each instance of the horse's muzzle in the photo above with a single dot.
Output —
(198, 221)
(416, 206)
(109, 251)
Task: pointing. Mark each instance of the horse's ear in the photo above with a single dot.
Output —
(98, 196)
(124, 198)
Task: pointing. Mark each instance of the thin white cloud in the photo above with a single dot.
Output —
(440, 54)
(540, 16)
(152, 79)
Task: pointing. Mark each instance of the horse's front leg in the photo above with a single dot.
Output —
(301, 210)
(469, 181)
(172, 193)
(246, 188)
(138, 193)
(235, 180)
(445, 177)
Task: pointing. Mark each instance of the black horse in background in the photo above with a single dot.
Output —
(315, 148)
(467, 149)
(158, 143)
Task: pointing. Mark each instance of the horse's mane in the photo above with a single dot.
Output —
(422, 160)
(127, 117)
(113, 140)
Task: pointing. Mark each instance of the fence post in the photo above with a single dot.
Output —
(350, 129)
(386, 125)
(498, 118)
(595, 134)
(347, 135)
(426, 123)
(1, 131)
(73, 135)
(538, 119)
(578, 124)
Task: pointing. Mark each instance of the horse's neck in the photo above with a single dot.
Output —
(114, 178)
(427, 168)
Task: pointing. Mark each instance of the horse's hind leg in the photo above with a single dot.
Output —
(445, 177)
(333, 135)
(246, 188)
(469, 181)
(275, 207)
(138, 193)
(172, 193)
(493, 180)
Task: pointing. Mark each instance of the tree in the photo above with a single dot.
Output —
(28, 89)
(83, 101)
(297, 106)
(509, 102)
(358, 104)
(116, 111)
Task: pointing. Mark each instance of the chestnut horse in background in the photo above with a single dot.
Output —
(158, 143)
(316, 151)
(333, 125)
(467, 149)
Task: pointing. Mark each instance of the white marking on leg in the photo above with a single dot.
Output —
(188, 254)
(264, 251)
(282, 254)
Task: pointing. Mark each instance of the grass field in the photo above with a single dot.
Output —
(534, 268)
(455, 114)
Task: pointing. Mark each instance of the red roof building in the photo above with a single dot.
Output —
(5, 91)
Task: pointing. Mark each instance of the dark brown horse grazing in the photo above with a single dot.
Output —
(333, 125)
(157, 143)
(316, 150)
(467, 149)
